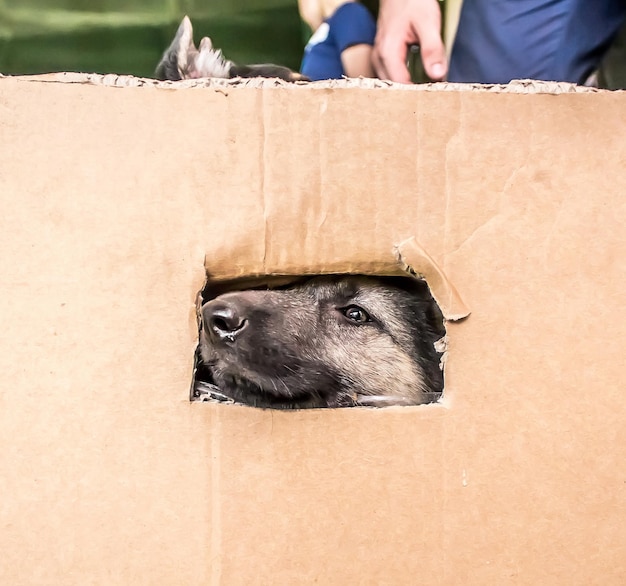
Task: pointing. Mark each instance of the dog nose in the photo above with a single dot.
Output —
(223, 320)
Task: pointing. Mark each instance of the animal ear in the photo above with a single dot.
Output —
(205, 44)
(178, 58)
(209, 61)
(184, 46)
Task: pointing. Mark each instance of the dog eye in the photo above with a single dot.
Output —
(356, 314)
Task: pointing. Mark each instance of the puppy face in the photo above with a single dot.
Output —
(328, 342)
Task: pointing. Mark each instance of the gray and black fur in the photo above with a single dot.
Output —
(331, 341)
(182, 60)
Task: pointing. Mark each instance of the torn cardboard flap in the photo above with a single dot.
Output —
(414, 259)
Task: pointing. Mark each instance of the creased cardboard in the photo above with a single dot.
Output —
(119, 195)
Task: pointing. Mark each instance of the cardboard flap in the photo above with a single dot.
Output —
(413, 258)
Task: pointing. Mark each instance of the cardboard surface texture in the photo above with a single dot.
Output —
(118, 193)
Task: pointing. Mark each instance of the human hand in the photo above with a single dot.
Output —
(406, 22)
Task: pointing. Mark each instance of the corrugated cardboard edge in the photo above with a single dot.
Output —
(517, 86)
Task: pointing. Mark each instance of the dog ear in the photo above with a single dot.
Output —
(179, 58)
(209, 62)
(205, 44)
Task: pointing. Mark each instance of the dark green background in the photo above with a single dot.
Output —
(129, 36)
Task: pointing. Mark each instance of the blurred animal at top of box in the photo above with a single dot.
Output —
(182, 60)
(328, 341)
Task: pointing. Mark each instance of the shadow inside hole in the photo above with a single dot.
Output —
(319, 342)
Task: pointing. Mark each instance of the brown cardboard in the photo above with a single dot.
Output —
(115, 195)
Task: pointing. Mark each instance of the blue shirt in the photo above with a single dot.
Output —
(351, 24)
(552, 40)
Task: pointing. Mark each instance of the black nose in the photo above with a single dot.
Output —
(223, 320)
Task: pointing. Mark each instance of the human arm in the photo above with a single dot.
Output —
(357, 61)
(353, 30)
(311, 13)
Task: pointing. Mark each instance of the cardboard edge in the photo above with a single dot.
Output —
(516, 86)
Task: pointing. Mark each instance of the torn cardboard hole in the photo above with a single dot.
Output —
(335, 340)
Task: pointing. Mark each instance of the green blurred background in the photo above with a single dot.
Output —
(129, 36)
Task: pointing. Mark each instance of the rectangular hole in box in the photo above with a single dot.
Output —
(319, 342)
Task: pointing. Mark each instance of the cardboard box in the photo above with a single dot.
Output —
(115, 195)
